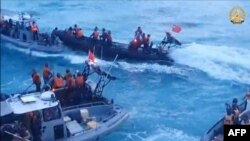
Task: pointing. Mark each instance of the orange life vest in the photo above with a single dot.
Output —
(110, 38)
(95, 34)
(70, 82)
(34, 28)
(79, 80)
(66, 76)
(46, 72)
(58, 83)
(79, 34)
(36, 78)
(145, 40)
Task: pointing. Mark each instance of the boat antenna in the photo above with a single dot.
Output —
(112, 65)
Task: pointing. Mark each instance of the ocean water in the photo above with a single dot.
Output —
(177, 103)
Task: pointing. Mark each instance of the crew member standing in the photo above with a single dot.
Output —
(53, 36)
(104, 35)
(36, 80)
(79, 80)
(58, 81)
(146, 40)
(109, 39)
(46, 73)
(79, 83)
(34, 29)
(69, 95)
(95, 35)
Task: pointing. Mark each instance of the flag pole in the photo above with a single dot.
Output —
(111, 65)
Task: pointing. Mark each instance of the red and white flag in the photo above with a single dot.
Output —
(176, 29)
(91, 57)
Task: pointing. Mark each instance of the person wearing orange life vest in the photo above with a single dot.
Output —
(138, 32)
(95, 34)
(58, 82)
(34, 29)
(79, 81)
(109, 39)
(136, 43)
(70, 31)
(79, 33)
(36, 80)
(53, 36)
(75, 29)
(46, 73)
(104, 35)
(66, 76)
(145, 42)
(70, 83)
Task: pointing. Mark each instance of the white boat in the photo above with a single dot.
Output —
(85, 122)
(90, 120)
(23, 39)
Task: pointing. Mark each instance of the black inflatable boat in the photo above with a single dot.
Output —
(103, 50)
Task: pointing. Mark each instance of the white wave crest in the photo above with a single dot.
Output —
(162, 134)
(170, 134)
(220, 62)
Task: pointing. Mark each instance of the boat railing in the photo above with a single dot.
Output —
(90, 104)
(109, 117)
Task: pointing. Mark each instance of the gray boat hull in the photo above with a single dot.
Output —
(105, 128)
(33, 46)
(218, 127)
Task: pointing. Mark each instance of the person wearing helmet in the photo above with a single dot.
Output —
(95, 34)
(67, 73)
(36, 80)
(146, 42)
(53, 36)
(34, 29)
(75, 29)
(235, 110)
(104, 35)
(109, 39)
(79, 82)
(246, 104)
(46, 73)
(138, 32)
(58, 81)
(168, 39)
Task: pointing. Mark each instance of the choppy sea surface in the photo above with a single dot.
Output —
(177, 103)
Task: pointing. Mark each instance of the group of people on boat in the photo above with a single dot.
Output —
(104, 39)
(69, 81)
(105, 36)
(141, 40)
(236, 115)
(13, 29)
